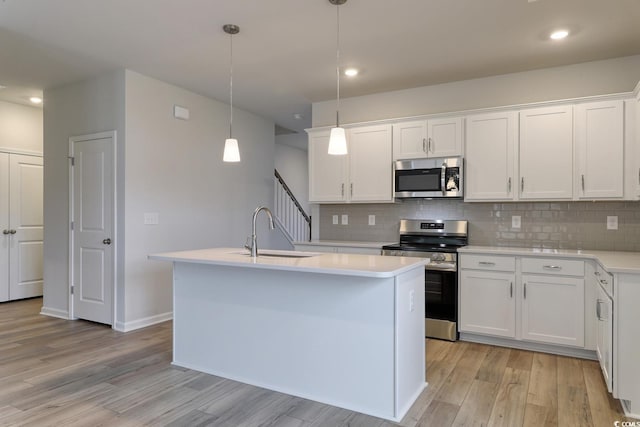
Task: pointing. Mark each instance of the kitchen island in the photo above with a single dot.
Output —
(342, 329)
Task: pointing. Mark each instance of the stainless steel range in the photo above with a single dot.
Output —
(439, 241)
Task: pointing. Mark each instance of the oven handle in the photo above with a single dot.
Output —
(436, 267)
(443, 174)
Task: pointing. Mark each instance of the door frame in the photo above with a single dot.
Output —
(88, 138)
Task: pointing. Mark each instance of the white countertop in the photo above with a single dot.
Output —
(324, 263)
(345, 243)
(612, 261)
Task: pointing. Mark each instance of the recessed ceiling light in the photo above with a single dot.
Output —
(351, 72)
(559, 34)
(35, 100)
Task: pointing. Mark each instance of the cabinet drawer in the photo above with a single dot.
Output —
(557, 267)
(605, 278)
(488, 262)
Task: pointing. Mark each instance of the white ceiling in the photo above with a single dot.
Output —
(284, 56)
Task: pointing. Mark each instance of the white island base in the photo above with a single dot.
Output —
(353, 340)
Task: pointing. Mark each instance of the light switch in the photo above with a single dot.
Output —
(612, 222)
(516, 221)
(345, 219)
(372, 220)
(181, 113)
(335, 220)
(151, 218)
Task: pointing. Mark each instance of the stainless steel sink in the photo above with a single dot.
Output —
(273, 253)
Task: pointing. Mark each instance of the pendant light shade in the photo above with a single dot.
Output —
(231, 151)
(337, 138)
(337, 141)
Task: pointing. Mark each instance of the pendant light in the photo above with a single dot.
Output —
(337, 138)
(231, 152)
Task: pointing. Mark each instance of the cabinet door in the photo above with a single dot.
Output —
(370, 165)
(5, 239)
(553, 309)
(599, 148)
(327, 173)
(490, 156)
(410, 140)
(604, 344)
(487, 303)
(444, 137)
(546, 153)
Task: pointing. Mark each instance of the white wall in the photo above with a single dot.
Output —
(90, 106)
(586, 79)
(20, 128)
(293, 165)
(174, 167)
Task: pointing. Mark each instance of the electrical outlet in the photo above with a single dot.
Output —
(345, 219)
(372, 220)
(516, 221)
(612, 222)
(151, 218)
(335, 220)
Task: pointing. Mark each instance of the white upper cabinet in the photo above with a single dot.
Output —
(327, 173)
(546, 153)
(427, 138)
(363, 175)
(599, 142)
(491, 141)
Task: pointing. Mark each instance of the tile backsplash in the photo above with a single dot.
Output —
(557, 225)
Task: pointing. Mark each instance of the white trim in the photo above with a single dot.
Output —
(90, 137)
(501, 108)
(531, 346)
(20, 151)
(142, 323)
(54, 312)
(626, 407)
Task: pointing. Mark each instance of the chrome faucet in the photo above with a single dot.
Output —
(254, 239)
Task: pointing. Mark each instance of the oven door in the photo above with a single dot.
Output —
(441, 304)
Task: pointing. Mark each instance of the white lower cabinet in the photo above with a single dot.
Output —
(553, 309)
(604, 334)
(532, 299)
(487, 303)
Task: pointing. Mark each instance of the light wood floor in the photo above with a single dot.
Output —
(76, 373)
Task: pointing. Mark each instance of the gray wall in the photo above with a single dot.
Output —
(90, 106)
(573, 81)
(558, 225)
(20, 128)
(293, 165)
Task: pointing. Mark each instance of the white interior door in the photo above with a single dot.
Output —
(5, 238)
(26, 222)
(93, 227)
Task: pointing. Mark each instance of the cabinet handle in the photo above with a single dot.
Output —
(429, 148)
(351, 188)
(6, 232)
(487, 263)
(638, 176)
(552, 267)
(342, 190)
(424, 144)
(509, 185)
(583, 183)
(597, 273)
(604, 282)
(12, 231)
(598, 309)
(510, 289)
(525, 290)
(521, 184)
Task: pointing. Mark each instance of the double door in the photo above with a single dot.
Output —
(21, 224)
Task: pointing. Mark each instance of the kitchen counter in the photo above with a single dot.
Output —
(324, 263)
(612, 261)
(342, 329)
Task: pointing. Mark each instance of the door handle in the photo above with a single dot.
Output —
(106, 241)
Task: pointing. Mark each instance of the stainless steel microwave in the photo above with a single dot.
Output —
(428, 178)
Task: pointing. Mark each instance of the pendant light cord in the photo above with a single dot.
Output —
(338, 66)
(231, 85)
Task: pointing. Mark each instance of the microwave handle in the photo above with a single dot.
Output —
(443, 174)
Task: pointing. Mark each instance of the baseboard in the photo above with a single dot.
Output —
(531, 346)
(54, 312)
(142, 323)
